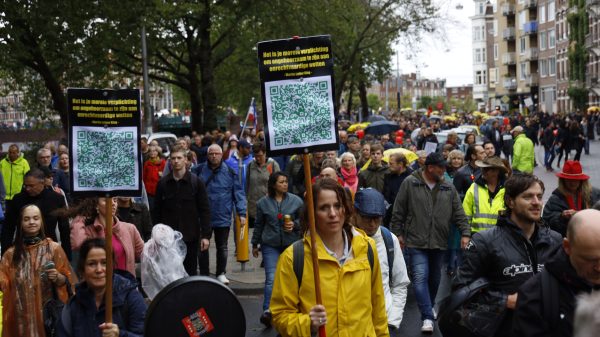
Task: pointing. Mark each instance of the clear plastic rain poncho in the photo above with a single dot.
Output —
(162, 259)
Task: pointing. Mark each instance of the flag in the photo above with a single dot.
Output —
(252, 113)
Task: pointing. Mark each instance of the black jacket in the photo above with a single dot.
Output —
(463, 179)
(391, 185)
(183, 205)
(558, 203)
(138, 215)
(48, 201)
(507, 259)
(529, 319)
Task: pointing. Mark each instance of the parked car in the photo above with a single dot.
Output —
(166, 141)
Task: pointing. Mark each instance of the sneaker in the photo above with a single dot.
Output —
(434, 314)
(427, 326)
(223, 279)
(265, 318)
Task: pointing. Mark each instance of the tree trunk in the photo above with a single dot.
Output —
(362, 93)
(350, 94)
(59, 100)
(196, 105)
(207, 78)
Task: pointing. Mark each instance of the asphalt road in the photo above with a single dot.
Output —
(411, 323)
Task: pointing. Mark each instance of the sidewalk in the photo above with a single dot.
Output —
(250, 281)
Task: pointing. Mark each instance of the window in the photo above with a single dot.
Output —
(551, 38)
(552, 66)
(481, 8)
(480, 77)
(543, 65)
(495, 27)
(495, 52)
(542, 14)
(493, 75)
(543, 40)
(523, 70)
(477, 55)
(483, 55)
(551, 11)
(522, 19)
(522, 44)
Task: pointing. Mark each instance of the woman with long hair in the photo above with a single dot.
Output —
(153, 171)
(352, 295)
(28, 273)
(574, 193)
(84, 315)
(276, 226)
(90, 222)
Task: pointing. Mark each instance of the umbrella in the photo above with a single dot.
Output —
(410, 156)
(406, 109)
(593, 109)
(382, 127)
(435, 117)
(374, 118)
(358, 126)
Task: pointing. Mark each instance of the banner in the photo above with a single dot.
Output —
(297, 88)
(104, 142)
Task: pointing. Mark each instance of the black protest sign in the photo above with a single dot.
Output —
(297, 88)
(104, 140)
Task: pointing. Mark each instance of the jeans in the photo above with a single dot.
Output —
(221, 236)
(426, 269)
(549, 157)
(270, 257)
(190, 263)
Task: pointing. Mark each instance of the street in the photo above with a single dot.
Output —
(411, 323)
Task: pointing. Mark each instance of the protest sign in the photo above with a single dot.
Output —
(104, 141)
(297, 88)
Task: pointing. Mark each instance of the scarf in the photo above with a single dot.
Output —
(350, 178)
(571, 202)
(31, 240)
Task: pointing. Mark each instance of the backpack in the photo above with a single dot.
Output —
(389, 248)
(298, 259)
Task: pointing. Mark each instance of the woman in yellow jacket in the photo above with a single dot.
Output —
(485, 198)
(351, 288)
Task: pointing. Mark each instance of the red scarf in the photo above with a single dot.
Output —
(350, 178)
(571, 202)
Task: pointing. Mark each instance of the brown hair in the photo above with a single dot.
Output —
(342, 196)
(517, 184)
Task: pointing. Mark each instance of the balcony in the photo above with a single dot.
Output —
(508, 9)
(592, 82)
(530, 28)
(588, 41)
(508, 33)
(592, 2)
(531, 54)
(509, 59)
(510, 83)
(532, 80)
(530, 4)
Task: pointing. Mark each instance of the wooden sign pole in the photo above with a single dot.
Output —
(109, 260)
(313, 233)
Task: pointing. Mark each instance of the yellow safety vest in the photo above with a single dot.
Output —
(482, 212)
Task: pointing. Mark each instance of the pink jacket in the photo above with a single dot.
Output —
(126, 233)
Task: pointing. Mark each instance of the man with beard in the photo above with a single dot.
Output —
(511, 252)
(424, 208)
(574, 270)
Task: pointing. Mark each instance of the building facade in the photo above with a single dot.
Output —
(480, 54)
(592, 43)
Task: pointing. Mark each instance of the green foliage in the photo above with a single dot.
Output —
(373, 100)
(579, 96)
(425, 102)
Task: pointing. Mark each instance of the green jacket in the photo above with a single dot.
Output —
(13, 173)
(523, 154)
(423, 216)
(373, 176)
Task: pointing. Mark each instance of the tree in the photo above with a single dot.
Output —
(46, 42)
(374, 102)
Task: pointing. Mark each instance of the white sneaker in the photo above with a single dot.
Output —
(434, 314)
(427, 326)
(223, 279)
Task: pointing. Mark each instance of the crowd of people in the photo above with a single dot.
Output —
(470, 207)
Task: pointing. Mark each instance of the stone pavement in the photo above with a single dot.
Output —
(250, 281)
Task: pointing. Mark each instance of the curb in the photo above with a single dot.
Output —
(241, 288)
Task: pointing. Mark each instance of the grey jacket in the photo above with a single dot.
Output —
(268, 225)
(423, 216)
(256, 182)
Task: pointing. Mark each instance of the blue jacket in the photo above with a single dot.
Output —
(268, 226)
(233, 163)
(85, 317)
(224, 191)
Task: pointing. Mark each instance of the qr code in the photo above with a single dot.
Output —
(301, 112)
(105, 159)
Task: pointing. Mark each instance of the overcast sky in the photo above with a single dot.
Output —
(452, 59)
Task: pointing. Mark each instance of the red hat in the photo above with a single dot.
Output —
(572, 170)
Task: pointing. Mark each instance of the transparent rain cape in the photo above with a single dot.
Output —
(162, 259)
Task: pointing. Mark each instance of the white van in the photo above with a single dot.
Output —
(166, 141)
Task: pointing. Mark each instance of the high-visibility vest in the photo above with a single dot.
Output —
(482, 212)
